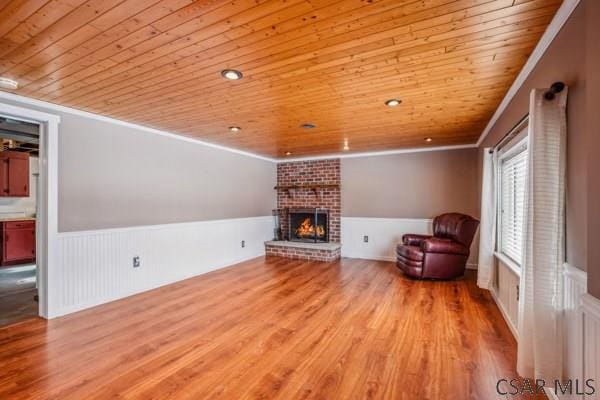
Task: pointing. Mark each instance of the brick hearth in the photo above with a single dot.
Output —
(304, 251)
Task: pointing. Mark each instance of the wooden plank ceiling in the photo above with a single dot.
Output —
(327, 62)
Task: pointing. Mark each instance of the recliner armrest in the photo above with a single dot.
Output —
(413, 239)
(444, 246)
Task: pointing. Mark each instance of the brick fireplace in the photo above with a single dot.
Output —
(305, 188)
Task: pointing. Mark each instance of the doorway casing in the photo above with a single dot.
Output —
(47, 214)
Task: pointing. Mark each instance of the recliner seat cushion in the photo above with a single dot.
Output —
(437, 245)
(409, 252)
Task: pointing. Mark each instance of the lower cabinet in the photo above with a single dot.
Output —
(18, 242)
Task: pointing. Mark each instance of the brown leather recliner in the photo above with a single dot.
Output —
(441, 256)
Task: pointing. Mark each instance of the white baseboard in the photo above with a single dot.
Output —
(96, 267)
(505, 314)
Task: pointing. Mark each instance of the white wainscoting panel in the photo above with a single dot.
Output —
(384, 234)
(96, 267)
(505, 293)
(590, 308)
(574, 285)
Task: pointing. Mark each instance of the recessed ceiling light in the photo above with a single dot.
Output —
(346, 147)
(308, 125)
(428, 139)
(288, 153)
(231, 74)
(8, 83)
(235, 129)
(393, 102)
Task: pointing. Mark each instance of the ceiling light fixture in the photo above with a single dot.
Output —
(288, 153)
(308, 125)
(428, 139)
(231, 74)
(8, 83)
(393, 102)
(235, 129)
(346, 147)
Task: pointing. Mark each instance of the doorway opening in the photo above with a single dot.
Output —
(19, 189)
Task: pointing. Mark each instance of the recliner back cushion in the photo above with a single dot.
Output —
(458, 227)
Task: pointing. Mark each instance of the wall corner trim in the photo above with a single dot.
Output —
(56, 107)
(575, 274)
(561, 17)
(591, 305)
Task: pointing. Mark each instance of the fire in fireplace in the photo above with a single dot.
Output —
(308, 225)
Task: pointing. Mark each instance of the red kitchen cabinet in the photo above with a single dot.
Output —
(14, 174)
(18, 242)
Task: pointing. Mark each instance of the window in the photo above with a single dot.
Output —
(513, 181)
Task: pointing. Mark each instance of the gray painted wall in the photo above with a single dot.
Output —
(564, 60)
(593, 145)
(410, 185)
(115, 176)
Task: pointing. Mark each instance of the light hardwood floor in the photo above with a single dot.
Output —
(270, 329)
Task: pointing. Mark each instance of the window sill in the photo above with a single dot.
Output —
(510, 264)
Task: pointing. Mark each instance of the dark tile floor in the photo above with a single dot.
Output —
(17, 291)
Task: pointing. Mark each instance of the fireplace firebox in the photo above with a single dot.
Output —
(308, 225)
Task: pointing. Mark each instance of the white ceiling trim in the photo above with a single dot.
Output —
(562, 15)
(379, 153)
(85, 114)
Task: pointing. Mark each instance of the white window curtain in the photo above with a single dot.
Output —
(540, 338)
(487, 229)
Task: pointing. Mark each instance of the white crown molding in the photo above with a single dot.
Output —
(378, 153)
(562, 15)
(97, 117)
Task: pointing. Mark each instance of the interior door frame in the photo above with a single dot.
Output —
(47, 207)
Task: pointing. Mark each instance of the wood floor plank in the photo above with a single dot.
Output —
(270, 328)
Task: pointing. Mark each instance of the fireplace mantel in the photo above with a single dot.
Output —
(309, 186)
(318, 189)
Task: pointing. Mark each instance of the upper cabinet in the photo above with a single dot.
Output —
(14, 174)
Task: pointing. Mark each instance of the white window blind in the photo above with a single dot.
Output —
(512, 203)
